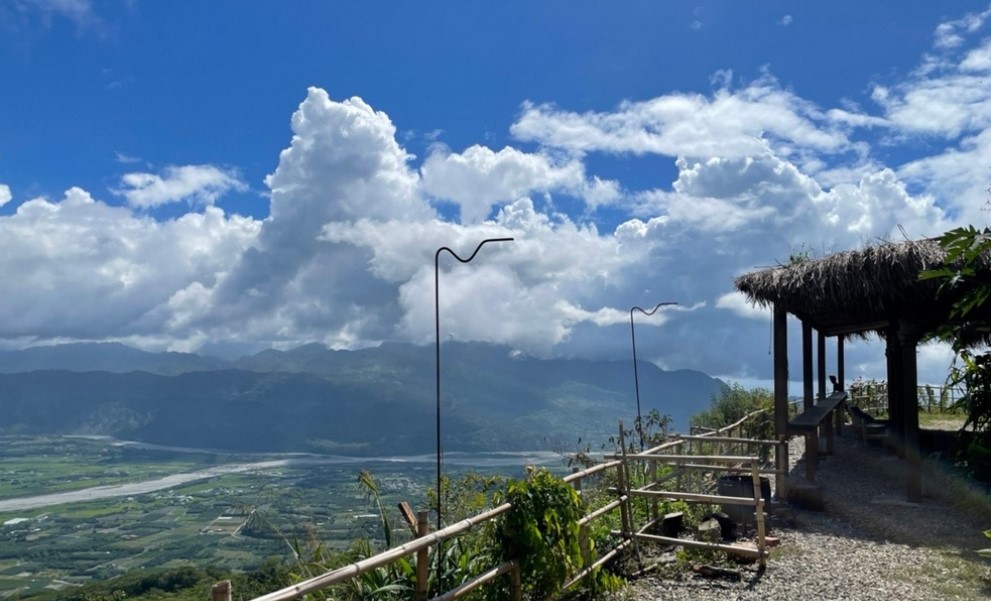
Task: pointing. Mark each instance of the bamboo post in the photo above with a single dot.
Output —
(221, 591)
(624, 490)
(516, 583)
(582, 528)
(653, 482)
(758, 514)
(623, 486)
(781, 396)
(422, 558)
(781, 467)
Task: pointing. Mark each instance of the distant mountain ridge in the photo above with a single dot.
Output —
(365, 402)
(104, 356)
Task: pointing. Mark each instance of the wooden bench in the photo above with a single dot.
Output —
(867, 427)
(809, 423)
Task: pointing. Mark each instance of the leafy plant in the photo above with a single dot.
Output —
(964, 275)
(974, 372)
(985, 553)
(542, 531)
(733, 404)
(965, 282)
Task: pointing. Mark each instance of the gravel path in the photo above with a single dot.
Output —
(868, 544)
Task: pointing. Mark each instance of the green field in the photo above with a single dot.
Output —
(230, 522)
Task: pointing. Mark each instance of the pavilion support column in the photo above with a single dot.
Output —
(808, 401)
(840, 363)
(910, 412)
(781, 399)
(821, 363)
(826, 427)
(893, 352)
(840, 383)
(808, 383)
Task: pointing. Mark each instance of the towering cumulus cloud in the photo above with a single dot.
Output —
(753, 174)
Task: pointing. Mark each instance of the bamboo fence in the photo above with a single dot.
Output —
(681, 469)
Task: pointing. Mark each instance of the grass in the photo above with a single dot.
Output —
(941, 421)
(953, 576)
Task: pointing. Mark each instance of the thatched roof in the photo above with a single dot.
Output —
(856, 291)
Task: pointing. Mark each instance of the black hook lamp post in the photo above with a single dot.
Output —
(437, 338)
(636, 377)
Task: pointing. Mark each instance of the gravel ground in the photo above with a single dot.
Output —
(868, 544)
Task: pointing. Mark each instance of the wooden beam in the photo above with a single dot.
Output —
(855, 328)
(781, 396)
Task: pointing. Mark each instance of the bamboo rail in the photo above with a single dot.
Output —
(672, 453)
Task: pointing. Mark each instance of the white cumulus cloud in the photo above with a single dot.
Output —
(5, 195)
(479, 178)
(198, 184)
(80, 269)
(730, 123)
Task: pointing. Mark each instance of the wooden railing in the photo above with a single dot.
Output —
(872, 396)
(681, 469)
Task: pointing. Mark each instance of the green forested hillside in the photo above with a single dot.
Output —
(367, 402)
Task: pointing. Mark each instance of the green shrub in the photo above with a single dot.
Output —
(736, 402)
(542, 532)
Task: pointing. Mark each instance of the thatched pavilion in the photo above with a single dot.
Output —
(873, 291)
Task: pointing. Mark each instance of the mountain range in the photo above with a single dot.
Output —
(373, 401)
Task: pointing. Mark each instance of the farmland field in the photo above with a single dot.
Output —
(229, 521)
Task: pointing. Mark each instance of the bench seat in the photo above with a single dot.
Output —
(808, 423)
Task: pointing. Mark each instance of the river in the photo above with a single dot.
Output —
(109, 491)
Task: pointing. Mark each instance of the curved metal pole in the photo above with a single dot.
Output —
(437, 340)
(636, 377)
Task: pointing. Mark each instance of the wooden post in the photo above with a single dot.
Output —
(781, 398)
(221, 591)
(623, 486)
(653, 481)
(583, 542)
(910, 414)
(808, 396)
(625, 508)
(421, 585)
(840, 384)
(808, 401)
(826, 427)
(516, 585)
(759, 501)
(840, 362)
(781, 477)
(821, 363)
(893, 350)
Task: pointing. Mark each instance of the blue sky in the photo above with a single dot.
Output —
(231, 176)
